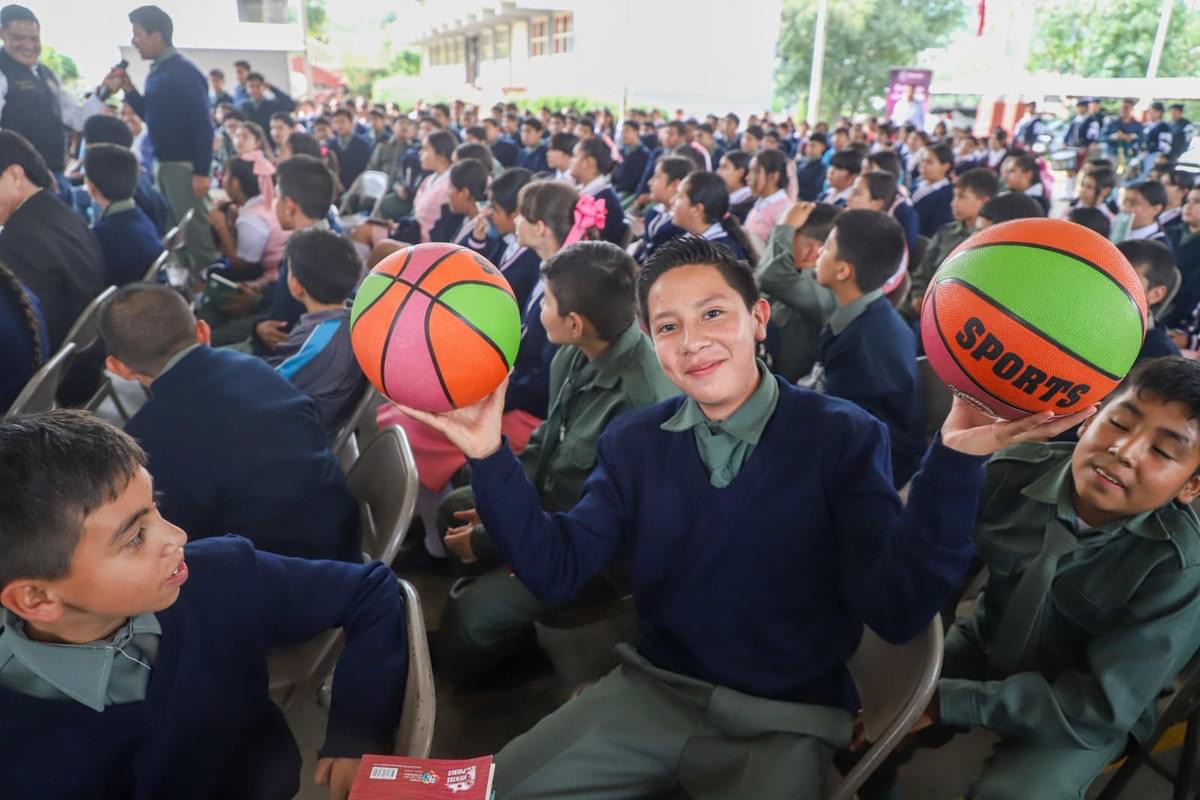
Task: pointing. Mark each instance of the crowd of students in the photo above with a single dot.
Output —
(714, 409)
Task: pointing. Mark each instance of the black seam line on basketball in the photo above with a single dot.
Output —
(388, 341)
(379, 297)
(950, 351)
(436, 299)
(1069, 254)
(1028, 326)
(431, 268)
(433, 358)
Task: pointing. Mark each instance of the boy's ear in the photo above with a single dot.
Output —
(1190, 490)
(117, 367)
(30, 600)
(1155, 295)
(203, 332)
(762, 315)
(294, 287)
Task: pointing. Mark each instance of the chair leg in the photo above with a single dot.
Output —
(1112, 789)
(1189, 761)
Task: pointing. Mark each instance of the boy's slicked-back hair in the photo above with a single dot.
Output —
(324, 263)
(477, 151)
(684, 251)
(1154, 192)
(507, 186)
(56, 468)
(563, 142)
(848, 160)
(308, 183)
(472, 174)
(1091, 218)
(153, 19)
(104, 129)
(872, 242)
(980, 181)
(16, 13)
(881, 186)
(16, 149)
(1013, 205)
(942, 153)
(888, 161)
(595, 280)
(1173, 379)
(144, 324)
(820, 222)
(112, 169)
(1156, 261)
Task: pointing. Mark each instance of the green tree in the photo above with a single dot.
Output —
(63, 66)
(318, 20)
(863, 40)
(361, 79)
(1112, 38)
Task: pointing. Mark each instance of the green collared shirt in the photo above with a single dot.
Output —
(97, 674)
(841, 319)
(800, 306)
(169, 52)
(725, 445)
(1122, 616)
(118, 207)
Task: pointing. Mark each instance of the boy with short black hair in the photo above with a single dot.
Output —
(1020, 175)
(1096, 189)
(810, 176)
(1091, 218)
(559, 154)
(668, 175)
(112, 626)
(702, 492)
(317, 357)
(843, 169)
(1187, 256)
(352, 151)
(1178, 183)
(1155, 265)
(468, 188)
(867, 354)
(604, 367)
(634, 156)
(1142, 203)
(1005, 207)
(126, 235)
(532, 155)
(932, 198)
(494, 235)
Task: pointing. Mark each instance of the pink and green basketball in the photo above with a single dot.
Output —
(435, 327)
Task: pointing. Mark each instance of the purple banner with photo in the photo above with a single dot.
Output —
(908, 95)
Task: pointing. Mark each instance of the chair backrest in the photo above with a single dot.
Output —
(176, 238)
(895, 684)
(86, 330)
(414, 737)
(936, 397)
(157, 267)
(38, 395)
(346, 443)
(170, 238)
(384, 479)
(374, 183)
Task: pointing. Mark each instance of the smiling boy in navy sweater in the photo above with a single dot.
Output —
(134, 667)
(763, 533)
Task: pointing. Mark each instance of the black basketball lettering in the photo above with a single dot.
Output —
(990, 348)
(1007, 366)
(969, 334)
(1053, 387)
(1074, 395)
(1029, 380)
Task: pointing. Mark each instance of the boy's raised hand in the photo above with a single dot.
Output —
(798, 214)
(969, 430)
(475, 429)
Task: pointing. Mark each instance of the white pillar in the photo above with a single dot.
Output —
(1160, 38)
(818, 62)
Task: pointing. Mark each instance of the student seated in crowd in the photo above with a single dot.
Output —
(867, 354)
(1005, 207)
(235, 447)
(1097, 186)
(1187, 256)
(657, 226)
(767, 178)
(933, 196)
(734, 167)
(103, 129)
(590, 167)
(844, 167)
(972, 189)
(436, 156)
(468, 188)
(559, 152)
(323, 269)
(248, 231)
(1021, 176)
(352, 151)
(747, 612)
(144, 658)
(1142, 203)
(43, 242)
(259, 107)
(1092, 219)
(533, 147)
(701, 208)
(504, 149)
(1155, 265)
(494, 235)
(634, 156)
(810, 177)
(283, 125)
(23, 341)
(604, 367)
(800, 307)
(1091, 599)
(127, 236)
(1178, 183)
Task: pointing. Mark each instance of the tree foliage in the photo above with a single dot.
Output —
(1112, 38)
(318, 19)
(361, 79)
(863, 40)
(63, 66)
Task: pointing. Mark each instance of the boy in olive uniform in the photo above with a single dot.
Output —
(605, 368)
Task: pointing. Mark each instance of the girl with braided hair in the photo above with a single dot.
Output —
(23, 338)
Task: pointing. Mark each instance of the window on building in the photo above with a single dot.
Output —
(435, 54)
(503, 37)
(458, 51)
(538, 37)
(486, 51)
(564, 33)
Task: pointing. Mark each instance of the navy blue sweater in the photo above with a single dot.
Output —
(505, 151)
(906, 215)
(810, 179)
(236, 448)
(648, 173)
(933, 210)
(207, 728)
(177, 114)
(529, 383)
(614, 221)
(873, 364)
(762, 586)
(130, 244)
(629, 172)
(352, 159)
(533, 160)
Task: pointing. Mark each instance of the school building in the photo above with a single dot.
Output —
(700, 57)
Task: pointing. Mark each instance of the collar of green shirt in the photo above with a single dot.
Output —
(119, 206)
(1188, 235)
(841, 319)
(608, 365)
(169, 52)
(746, 424)
(1055, 488)
(80, 671)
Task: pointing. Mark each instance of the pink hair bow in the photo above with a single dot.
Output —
(589, 213)
(264, 170)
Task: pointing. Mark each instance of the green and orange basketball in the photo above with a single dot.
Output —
(1034, 314)
(435, 327)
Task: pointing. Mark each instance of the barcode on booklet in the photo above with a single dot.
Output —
(384, 773)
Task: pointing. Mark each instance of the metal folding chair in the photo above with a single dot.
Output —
(39, 393)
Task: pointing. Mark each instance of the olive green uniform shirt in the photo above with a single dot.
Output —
(944, 240)
(800, 306)
(1122, 616)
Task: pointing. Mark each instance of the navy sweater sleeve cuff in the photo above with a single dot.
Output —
(488, 475)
